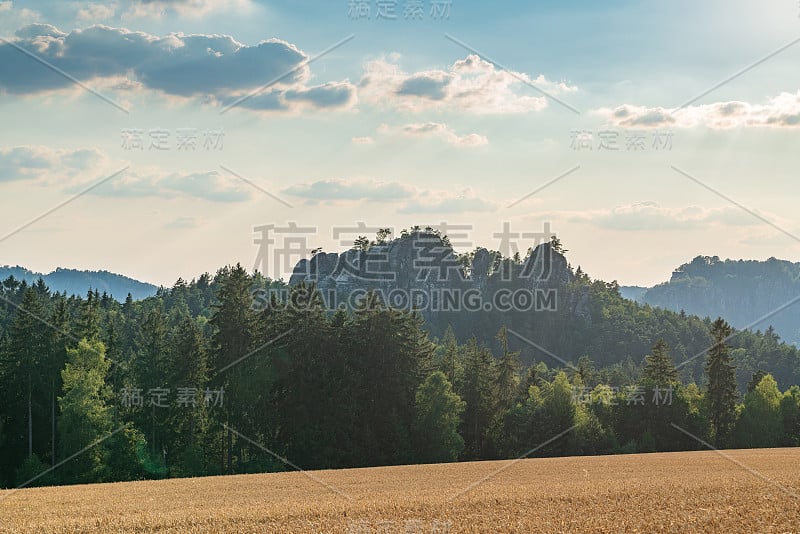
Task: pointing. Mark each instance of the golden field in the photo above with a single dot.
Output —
(745, 491)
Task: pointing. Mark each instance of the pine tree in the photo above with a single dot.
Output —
(721, 393)
(477, 393)
(659, 369)
(450, 363)
(188, 419)
(233, 318)
(57, 360)
(506, 379)
(89, 320)
(149, 372)
(29, 347)
(234, 324)
(391, 354)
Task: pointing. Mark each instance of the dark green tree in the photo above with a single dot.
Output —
(756, 379)
(659, 369)
(233, 322)
(477, 393)
(88, 326)
(721, 392)
(506, 378)
(28, 353)
(187, 422)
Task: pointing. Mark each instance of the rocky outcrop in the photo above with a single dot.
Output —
(422, 265)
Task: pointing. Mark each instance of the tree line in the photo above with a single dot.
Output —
(195, 381)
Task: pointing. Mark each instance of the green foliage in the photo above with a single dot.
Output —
(790, 413)
(760, 423)
(85, 418)
(32, 473)
(438, 415)
(126, 455)
(365, 387)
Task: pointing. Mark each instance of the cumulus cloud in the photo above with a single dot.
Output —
(12, 17)
(213, 66)
(782, 111)
(470, 84)
(331, 95)
(435, 129)
(38, 162)
(650, 216)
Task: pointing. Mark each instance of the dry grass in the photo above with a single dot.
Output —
(678, 492)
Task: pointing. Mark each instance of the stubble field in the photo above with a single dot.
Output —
(742, 491)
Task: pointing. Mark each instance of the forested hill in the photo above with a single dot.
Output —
(589, 318)
(741, 291)
(75, 282)
(204, 377)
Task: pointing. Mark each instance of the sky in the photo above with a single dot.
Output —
(166, 138)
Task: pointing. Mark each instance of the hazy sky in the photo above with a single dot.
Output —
(228, 115)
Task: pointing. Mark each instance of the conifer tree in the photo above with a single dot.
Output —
(29, 347)
(659, 369)
(506, 380)
(721, 392)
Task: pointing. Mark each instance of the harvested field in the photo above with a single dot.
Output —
(745, 491)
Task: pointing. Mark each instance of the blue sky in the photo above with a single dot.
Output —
(399, 125)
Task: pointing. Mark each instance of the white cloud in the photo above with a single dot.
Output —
(215, 67)
(440, 130)
(48, 164)
(470, 84)
(782, 111)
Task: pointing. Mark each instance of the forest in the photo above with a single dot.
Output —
(197, 381)
(740, 290)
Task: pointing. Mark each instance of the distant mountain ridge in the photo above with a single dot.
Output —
(741, 291)
(77, 282)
